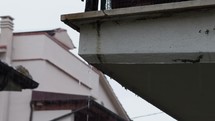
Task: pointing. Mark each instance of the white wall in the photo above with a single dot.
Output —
(4, 97)
(19, 106)
(72, 65)
(41, 47)
(52, 79)
(106, 99)
(56, 70)
(28, 47)
(49, 115)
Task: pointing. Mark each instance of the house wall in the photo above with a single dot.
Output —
(56, 70)
(28, 47)
(51, 79)
(69, 63)
(19, 106)
(105, 99)
(42, 47)
(49, 115)
(4, 97)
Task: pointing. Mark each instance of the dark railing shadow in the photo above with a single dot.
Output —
(131, 3)
(92, 5)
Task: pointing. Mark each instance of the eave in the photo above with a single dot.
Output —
(143, 12)
(12, 80)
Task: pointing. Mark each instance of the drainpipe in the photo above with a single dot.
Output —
(6, 26)
(31, 111)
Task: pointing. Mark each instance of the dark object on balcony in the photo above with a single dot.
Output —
(103, 4)
(12, 80)
(91, 5)
(131, 3)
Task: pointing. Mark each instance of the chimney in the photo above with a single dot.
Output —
(6, 26)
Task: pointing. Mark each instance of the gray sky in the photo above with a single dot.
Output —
(45, 14)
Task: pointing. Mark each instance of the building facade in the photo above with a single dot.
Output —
(46, 55)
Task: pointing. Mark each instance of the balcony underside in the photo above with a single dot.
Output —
(185, 91)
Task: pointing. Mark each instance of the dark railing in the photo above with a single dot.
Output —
(130, 3)
(92, 5)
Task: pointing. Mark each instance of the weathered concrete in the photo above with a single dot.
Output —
(77, 19)
(164, 53)
(182, 38)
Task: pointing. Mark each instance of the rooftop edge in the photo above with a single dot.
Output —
(75, 20)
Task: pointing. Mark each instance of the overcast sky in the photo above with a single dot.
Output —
(45, 14)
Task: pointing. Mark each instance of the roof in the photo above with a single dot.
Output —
(111, 94)
(12, 80)
(81, 105)
(7, 16)
(138, 12)
(58, 35)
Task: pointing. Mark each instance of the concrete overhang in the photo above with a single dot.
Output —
(164, 53)
(149, 11)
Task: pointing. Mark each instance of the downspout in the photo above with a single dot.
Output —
(68, 114)
(77, 110)
(88, 106)
(31, 111)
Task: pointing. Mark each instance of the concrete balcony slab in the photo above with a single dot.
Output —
(165, 53)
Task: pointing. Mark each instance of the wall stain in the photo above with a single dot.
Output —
(154, 16)
(207, 31)
(197, 60)
(200, 31)
(98, 42)
(116, 22)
